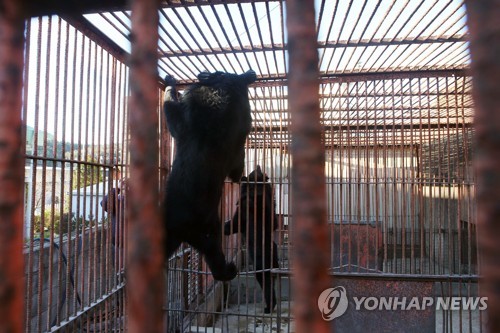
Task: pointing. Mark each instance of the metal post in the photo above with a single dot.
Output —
(311, 254)
(145, 242)
(11, 167)
(484, 27)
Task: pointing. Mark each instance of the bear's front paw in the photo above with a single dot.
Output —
(227, 228)
(169, 80)
(249, 77)
(204, 76)
(229, 273)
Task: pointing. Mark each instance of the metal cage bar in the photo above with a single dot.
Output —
(485, 40)
(145, 241)
(72, 279)
(308, 160)
(397, 117)
(12, 39)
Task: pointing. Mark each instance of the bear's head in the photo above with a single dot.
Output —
(254, 185)
(217, 90)
(257, 176)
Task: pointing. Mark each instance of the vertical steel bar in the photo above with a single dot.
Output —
(309, 202)
(34, 176)
(68, 95)
(420, 180)
(145, 247)
(101, 242)
(78, 267)
(401, 179)
(385, 195)
(28, 206)
(87, 242)
(11, 167)
(484, 26)
(43, 217)
(412, 177)
(96, 84)
(379, 228)
(349, 177)
(342, 153)
(52, 299)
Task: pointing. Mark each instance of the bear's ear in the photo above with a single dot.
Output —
(249, 77)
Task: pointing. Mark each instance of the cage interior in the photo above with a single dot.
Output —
(397, 117)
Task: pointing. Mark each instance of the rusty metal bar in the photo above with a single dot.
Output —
(80, 23)
(145, 237)
(311, 259)
(203, 58)
(280, 79)
(227, 61)
(483, 22)
(11, 166)
(49, 7)
(321, 45)
(55, 292)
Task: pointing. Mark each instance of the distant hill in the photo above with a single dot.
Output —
(55, 149)
(30, 137)
(60, 149)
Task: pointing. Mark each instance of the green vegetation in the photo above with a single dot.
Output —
(67, 224)
(85, 175)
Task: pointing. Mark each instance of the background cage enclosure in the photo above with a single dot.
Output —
(397, 116)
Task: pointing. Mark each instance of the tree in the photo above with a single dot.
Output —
(87, 173)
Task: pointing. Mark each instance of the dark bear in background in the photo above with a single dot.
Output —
(210, 123)
(256, 219)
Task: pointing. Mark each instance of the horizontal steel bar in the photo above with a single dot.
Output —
(91, 306)
(356, 127)
(282, 80)
(50, 7)
(392, 276)
(321, 45)
(66, 160)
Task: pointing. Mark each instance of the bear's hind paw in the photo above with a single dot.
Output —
(229, 273)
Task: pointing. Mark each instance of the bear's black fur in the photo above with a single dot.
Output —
(210, 123)
(256, 219)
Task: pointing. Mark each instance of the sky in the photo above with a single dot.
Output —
(78, 87)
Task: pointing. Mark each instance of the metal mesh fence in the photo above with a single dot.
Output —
(400, 188)
(400, 193)
(75, 109)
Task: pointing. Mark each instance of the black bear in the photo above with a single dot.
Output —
(256, 219)
(210, 123)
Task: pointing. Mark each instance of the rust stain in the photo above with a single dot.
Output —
(311, 258)
(11, 168)
(484, 26)
(145, 251)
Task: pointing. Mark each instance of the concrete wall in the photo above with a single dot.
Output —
(48, 276)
